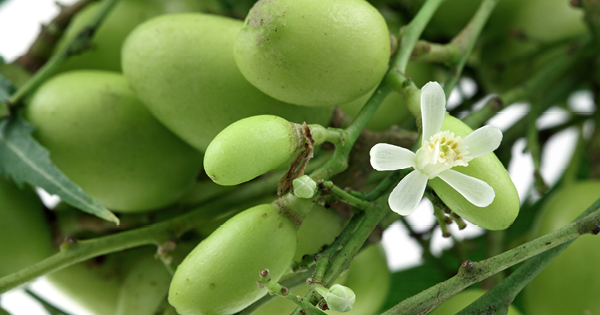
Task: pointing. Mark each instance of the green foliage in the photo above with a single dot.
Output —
(22, 158)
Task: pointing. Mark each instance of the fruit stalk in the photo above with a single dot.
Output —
(78, 44)
(472, 272)
(466, 40)
(533, 85)
(155, 234)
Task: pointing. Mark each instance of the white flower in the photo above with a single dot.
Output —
(440, 151)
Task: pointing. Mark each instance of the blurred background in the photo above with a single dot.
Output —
(20, 22)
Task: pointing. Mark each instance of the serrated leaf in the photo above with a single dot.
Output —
(22, 158)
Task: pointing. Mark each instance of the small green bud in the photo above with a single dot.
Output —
(304, 187)
(339, 298)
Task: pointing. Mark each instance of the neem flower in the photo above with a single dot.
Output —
(440, 151)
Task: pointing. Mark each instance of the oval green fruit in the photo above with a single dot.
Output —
(502, 212)
(93, 284)
(144, 287)
(320, 227)
(219, 276)
(182, 68)
(101, 136)
(463, 299)
(570, 284)
(313, 52)
(251, 147)
(105, 47)
(24, 232)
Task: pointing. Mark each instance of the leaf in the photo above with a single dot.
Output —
(22, 158)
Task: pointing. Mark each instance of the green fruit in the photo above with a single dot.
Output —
(320, 227)
(219, 276)
(313, 52)
(93, 284)
(105, 48)
(570, 284)
(368, 276)
(463, 299)
(24, 232)
(144, 287)
(393, 110)
(182, 68)
(501, 213)
(251, 147)
(101, 136)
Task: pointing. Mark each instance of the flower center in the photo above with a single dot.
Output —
(443, 151)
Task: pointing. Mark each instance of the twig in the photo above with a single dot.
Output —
(471, 272)
(44, 44)
(77, 45)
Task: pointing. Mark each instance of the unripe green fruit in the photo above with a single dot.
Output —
(368, 276)
(144, 287)
(320, 227)
(313, 52)
(463, 299)
(251, 147)
(93, 284)
(105, 49)
(219, 276)
(101, 136)
(501, 213)
(182, 68)
(24, 234)
(570, 284)
(393, 110)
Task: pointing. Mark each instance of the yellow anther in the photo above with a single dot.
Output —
(454, 145)
(443, 140)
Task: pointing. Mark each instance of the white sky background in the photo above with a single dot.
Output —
(20, 23)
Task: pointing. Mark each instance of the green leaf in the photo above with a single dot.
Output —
(25, 160)
(47, 306)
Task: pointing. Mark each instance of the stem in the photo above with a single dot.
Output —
(425, 51)
(345, 196)
(471, 272)
(411, 33)
(539, 81)
(44, 44)
(155, 234)
(502, 294)
(76, 46)
(465, 41)
(279, 290)
(292, 282)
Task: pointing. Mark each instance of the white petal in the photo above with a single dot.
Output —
(387, 157)
(474, 190)
(483, 141)
(433, 109)
(405, 198)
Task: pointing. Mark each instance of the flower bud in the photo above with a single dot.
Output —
(339, 298)
(304, 187)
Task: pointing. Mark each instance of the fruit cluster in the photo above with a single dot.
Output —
(191, 120)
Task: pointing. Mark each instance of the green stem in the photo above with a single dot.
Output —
(292, 282)
(155, 234)
(282, 291)
(411, 33)
(540, 80)
(321, 134)
(465, 41)
(499, 297)
(472, 272)
(345, 196)
(425, 51)
(76, 46)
